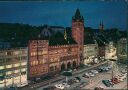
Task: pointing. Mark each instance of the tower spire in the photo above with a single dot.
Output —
(77, 15)
(101, 27)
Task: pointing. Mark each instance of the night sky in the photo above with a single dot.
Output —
(113, 14)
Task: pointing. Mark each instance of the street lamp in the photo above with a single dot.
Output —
(67, 74)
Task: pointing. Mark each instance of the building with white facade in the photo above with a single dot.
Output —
(90, 53)
(13, 67)
(110, 51)
(122, 49)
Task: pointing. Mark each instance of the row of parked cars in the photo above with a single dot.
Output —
(92, 73)
(67, 84)
(115, 80)
(78, 79)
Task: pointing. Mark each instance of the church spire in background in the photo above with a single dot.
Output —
(101, 27)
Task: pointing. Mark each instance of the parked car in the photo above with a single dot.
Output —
(94, 71)
(100, 70)
(78, 78)
(121, 77)
(91, 74)
(115, 80)
(106, 83)
(103, 69)
(60, 86)
(86, 75)
(70, 81)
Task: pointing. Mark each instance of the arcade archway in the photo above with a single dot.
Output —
(69, 65)
(74, 64)
(63, 67)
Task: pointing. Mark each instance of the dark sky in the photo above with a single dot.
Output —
(113, 14)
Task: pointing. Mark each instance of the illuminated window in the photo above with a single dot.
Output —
(44, 69)
(9, 72)
(16, 65)
(31, 63)
(16, 71)
(8, 53)
(44, 52)
(33, 54)
(36, 62)
(52, 60)
(42, 61)
(39, 53)
(1, 67)
(24, 63)
(9, 66)
(23, 69)
(16, 52)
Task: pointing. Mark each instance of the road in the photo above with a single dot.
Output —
(77, 73)
(94, 81)
(97, 82)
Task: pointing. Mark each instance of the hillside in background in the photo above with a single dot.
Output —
(19, 34)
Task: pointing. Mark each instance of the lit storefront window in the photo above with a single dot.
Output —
(24, 63)
(1, 67)
(9, 66)
(16, 65)
(16, 71)
(23, 69)
(16, 52)
(9, 72)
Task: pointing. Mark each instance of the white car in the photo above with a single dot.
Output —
(87, 74)
(76, 80)
(94, 71)
(91, 74)
(60, 86)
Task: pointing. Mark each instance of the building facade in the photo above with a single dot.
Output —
(13, 67)
(78, 31)
(55, 54)
(122, 49)
(111, 51)
(90, 53)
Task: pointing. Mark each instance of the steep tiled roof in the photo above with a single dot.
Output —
(58, 39)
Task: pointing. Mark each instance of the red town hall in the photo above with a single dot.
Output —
(48, 56)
